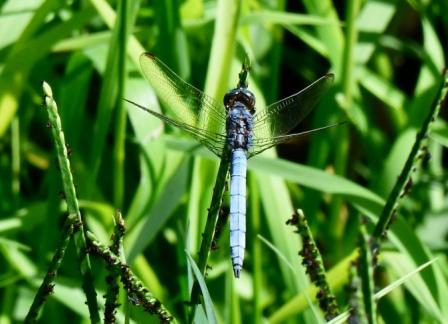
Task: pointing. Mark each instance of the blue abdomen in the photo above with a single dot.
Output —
(238, 169)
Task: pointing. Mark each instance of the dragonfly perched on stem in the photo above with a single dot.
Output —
(234, 130)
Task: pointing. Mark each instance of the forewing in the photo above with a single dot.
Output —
(215, 142)
(281, 117)
(187, 104)
(189, 108)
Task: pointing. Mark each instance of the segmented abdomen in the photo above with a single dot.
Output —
(238, 170)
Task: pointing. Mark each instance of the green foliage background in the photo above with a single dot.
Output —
(388, 58)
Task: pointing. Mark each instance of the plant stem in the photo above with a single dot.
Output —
(112, 291)
(72, 202)
(391, 204)
(46, 288)
(365, 272)
(120, 130)
(212, 218)
(313, 262)
(342, 142)
(256, 250)
(15, 161)
(138, 294)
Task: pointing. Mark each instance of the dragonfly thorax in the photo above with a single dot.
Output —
(242, 95)
(239, 127)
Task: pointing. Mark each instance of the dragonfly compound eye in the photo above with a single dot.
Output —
(230, 98)
(248, 99)
(242, 95)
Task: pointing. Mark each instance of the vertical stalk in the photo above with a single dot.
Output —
(15, 161)
(46, 288)
(72, 203)
(365, 272)
(348, 61)
(212, 218)
(108, 95)
(256, 250)
(342, 142)
(120, 130)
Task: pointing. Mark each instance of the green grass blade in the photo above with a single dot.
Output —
(125, 18)
(72, 201)
(319, 180)
(257, 265)
(208, 302)
(106, 104)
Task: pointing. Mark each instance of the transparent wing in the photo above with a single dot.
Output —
(262, 144)
(281, 117)
(190, 109)
(213, 141)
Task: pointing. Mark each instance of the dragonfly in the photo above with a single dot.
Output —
(233, 130)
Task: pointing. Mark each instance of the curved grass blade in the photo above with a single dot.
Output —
(208, 302)
(405, 174)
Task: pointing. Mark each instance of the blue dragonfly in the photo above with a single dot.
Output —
(234, 130)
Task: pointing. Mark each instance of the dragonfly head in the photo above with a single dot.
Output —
(242, 95)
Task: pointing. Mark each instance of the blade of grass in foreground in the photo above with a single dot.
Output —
(208, 303)
(122, 24)
(72, 206)
(107, 99)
